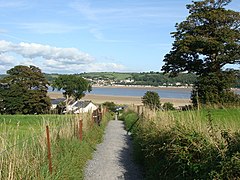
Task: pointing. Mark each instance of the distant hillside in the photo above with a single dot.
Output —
(144, 78)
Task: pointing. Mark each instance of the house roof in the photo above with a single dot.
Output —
(82, 104)
(57, 101)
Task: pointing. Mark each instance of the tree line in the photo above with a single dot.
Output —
(24, 90)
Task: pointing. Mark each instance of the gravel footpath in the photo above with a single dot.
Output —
(113, 158)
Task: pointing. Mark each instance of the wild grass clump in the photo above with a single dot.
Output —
(184, 145)
(70, 157)
(23, 150)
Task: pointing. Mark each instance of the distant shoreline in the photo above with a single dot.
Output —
(128, 100)
(147, 87)
(153, 87)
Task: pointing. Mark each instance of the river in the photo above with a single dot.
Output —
(182, 93)
(162, 92)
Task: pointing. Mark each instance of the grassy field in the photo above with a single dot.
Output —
(23, 126)
(221, 117)
(187, 144)
(23, 149)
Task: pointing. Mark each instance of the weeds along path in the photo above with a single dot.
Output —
(113, 158)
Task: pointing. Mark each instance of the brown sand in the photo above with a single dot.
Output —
(128, 100)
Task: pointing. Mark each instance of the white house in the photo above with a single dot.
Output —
(75, 106)
(82, 107)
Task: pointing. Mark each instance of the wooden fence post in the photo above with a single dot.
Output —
(92, 122)
(138, 110)
(49, 150)
(80, 129)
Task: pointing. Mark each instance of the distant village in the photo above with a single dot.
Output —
(129, 82)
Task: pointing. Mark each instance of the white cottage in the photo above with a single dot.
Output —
(82, 107)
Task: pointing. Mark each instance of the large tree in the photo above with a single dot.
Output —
(24, 91)
(73, 86)
(204, 43)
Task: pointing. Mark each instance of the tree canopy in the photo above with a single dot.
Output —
(24, 91)
(204, 43)
(151, 99)
(207, 40)
(72, 86)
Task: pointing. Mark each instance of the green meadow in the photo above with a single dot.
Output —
(23, 145)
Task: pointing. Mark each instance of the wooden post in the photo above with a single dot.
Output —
(138, 110)
(80, 129)
(49, 150)
(92, 123)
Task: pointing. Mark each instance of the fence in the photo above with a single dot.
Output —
(32, 157)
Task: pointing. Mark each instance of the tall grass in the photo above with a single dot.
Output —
(23, 149)
(188, 145)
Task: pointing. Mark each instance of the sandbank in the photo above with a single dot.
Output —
(128, 100)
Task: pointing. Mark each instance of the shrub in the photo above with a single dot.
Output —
(151, 100)
(168, 106)
(110, 106)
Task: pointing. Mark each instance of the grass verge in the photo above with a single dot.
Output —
(187, 145)
(24, 151)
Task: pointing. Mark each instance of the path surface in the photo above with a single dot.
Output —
(113, 158)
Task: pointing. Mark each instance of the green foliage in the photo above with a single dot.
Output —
(159, 79)
(24, 91)
(168, 106)
(72, 156)
(206, 41)
(151, 100)
(107, 75)
(188, 147)
(215, 89)
(73, 86)
(110, 106)
(144, 78)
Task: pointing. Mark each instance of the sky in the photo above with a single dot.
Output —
(75, 36)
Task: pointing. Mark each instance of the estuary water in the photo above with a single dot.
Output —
(181, 93)
(163, 93)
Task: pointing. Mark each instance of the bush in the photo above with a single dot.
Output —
(111, 106)
(168, 106)
(151, 100)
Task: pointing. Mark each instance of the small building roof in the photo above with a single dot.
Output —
(57, 101)
(82, 104)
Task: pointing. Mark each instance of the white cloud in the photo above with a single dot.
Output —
(60, 67)
(33, 50)
(50, 59)
(6, 60)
